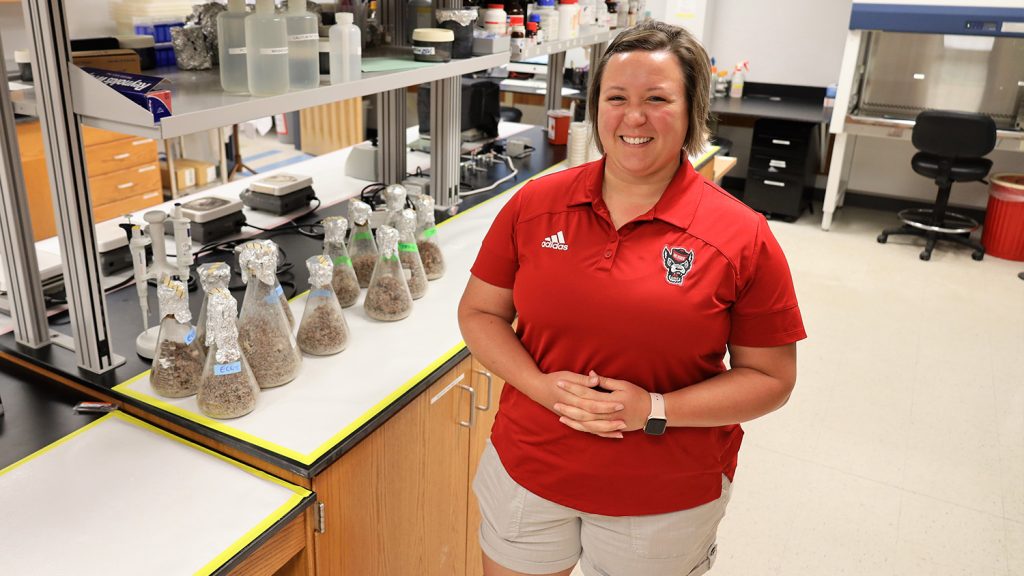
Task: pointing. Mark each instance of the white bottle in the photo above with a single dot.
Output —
(266, 41)
(496, 19)
(231, 47)
(346, 50)
(736, 88)
(568, 20)
(303, 47)
(549, 21)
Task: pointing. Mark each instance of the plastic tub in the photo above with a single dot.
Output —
(1003, 236)
(432, 44)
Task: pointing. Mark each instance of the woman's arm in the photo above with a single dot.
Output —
(485, 318)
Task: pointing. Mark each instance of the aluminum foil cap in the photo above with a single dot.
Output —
(321, 270)
(406, 223)
(220, 325)
(424, 210)
(394, 197)
(213, 274)
(335, 228)
(173, 298)
(359, 213)
(387, 242)
(259, 258)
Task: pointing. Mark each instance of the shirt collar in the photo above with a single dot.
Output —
(677, 204)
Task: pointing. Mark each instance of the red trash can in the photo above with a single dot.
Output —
(1003, 236)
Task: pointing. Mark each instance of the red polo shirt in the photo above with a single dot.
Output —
(654, 303)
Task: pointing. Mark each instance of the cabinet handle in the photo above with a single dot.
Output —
(141, 142)
(490, 380)
(472, 403)
(775, 183)
(777, 163)
(122, 156)
(147, 169)
(781, 142)
(125, 186)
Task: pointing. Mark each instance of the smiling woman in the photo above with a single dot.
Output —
(616, 442)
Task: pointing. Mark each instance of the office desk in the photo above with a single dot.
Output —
(779, 108)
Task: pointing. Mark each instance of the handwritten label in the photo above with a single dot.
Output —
(237, 51)
(226, 369)
(423, 50)
(301, 37)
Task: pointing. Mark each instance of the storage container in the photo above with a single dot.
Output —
(432, 44)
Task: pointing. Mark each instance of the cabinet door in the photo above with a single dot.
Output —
(483, 380)
(396, 503)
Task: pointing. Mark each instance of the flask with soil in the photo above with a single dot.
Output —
(388, 297)
(361, 247)
(344, 282)
(323, 330)
(211, 275)
(227, 388)
(409, 254)
(394, 200)
(178, 362)
(277, 285)
(263, 332)
(426, 237)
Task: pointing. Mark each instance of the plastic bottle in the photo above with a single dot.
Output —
(549, 19)
(266, 41)
(568, 20)
(346, 50)
(231, 47)
(736, 88)
(518, 34)
(496, 19)
(303, 47)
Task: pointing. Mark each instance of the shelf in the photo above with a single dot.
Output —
(563, 45)
(199, 103)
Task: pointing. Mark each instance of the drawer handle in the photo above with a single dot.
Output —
(472, 403)
(775, 183)
(151, 195)
(781, 142)
(125, 186)
(141, 142)
(777, 163)
(147, 169)
(124, 156)
(490, 381)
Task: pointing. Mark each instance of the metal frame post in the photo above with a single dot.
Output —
(18, 253)
(445, 141)
(391, 160)
(596, 53)
(65, 157)
(556, 69)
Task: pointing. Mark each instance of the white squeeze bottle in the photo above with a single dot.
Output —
(231, 47)
(346, 50)
(266, 41)
(303, 47)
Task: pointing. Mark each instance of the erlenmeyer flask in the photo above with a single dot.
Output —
(388, 297)
(345, 282)
(228, 387)
(323, 329)
(179, 358)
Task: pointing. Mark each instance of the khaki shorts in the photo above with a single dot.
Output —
(526, 533)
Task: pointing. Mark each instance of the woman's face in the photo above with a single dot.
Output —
(642, 115)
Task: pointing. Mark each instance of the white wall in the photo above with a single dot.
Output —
(85, 18)
(12, 30)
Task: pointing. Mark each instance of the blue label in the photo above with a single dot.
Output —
(322, 293)
(225, 369)
(275, 295)
(190, 336)
(279, 291)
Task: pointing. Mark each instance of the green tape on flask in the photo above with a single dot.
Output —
(408, 247)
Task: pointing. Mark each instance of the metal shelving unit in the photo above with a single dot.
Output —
(557, 46)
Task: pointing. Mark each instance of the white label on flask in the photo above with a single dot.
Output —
(236, 51)
(273, 51)
(301, 37)
(423, 50)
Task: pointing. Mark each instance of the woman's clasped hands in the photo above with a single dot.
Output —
(600, 405)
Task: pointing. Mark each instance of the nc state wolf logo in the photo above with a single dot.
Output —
(678, 262)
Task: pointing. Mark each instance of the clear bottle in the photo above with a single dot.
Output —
(211, 275)
(303, 47)
(266, 42)
(361, 246)
(388, 298)
(234, 76)
(263, 332)
(323, 330)
(346, 50)
(395, 196)
(344, 282)
(179, 358)
(228, 387)
(426, 238)
(409, 254)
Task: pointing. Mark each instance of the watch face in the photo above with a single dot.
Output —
(655, 426)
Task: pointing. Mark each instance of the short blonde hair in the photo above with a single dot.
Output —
(654, 36)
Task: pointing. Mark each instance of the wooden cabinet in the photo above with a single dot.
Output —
(488, 387)
(123, 175)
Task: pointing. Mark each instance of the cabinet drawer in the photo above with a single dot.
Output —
(93, 136)
(114, 156)
(770, 182)
(785, 164)
(117, 185)
(130, 204)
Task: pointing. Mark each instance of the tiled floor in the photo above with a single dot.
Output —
(901, 452)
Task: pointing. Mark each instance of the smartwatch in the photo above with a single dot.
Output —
(656, 422)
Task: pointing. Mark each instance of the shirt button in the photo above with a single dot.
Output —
(608, 254)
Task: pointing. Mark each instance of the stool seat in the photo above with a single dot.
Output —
(960, 170)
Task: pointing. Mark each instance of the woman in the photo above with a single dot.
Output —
(615, 442)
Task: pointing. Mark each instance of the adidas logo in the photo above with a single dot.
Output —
(555, 242)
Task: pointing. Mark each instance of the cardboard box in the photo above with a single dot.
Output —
(184, 176)
(150, 92)
(120, 60)
(206, 172)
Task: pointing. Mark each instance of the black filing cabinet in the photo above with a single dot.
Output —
(781, 169)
